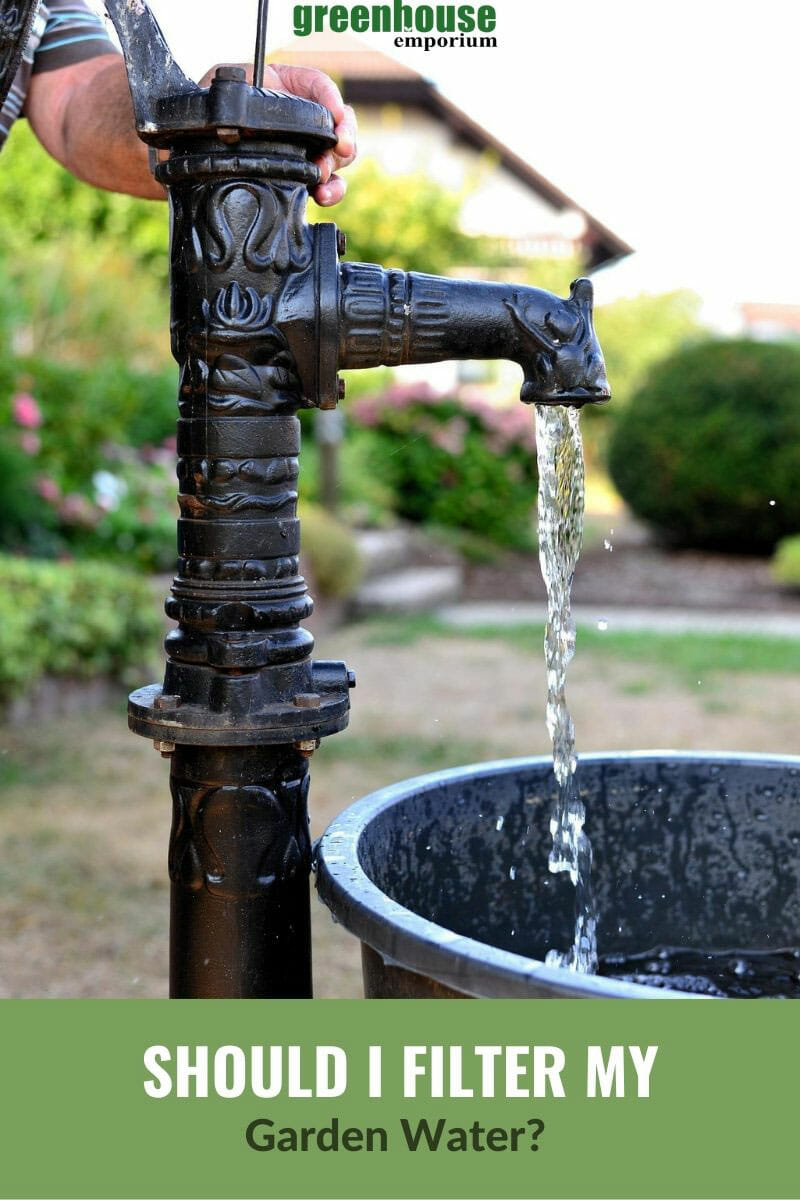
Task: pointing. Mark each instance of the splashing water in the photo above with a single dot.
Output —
(559, 451)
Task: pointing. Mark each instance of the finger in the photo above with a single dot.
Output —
(339, 161)
(326, 166)
(347, 134)
(331, 192)
(314, 85)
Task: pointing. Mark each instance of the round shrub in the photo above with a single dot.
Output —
(708, 451)
(330, 554)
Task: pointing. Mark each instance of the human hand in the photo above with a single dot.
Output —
(311, 84)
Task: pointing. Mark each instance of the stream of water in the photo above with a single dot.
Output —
(559, 451)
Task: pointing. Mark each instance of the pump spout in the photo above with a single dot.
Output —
(388, 318)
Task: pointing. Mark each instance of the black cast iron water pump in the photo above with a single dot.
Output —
(263, 317)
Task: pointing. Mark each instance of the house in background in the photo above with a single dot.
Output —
(770, 322)
(407, 126)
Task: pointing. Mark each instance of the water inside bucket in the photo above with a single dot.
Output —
(735, 974)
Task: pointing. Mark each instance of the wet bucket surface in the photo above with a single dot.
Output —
(445, 877)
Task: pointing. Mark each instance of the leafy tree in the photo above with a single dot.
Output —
(41, 203)
(637, 332)
(84, 271)
(405, 221)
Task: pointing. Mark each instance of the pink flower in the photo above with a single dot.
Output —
(367, 412)
(451, 436)
(371, 411)
(48, 489)
(76, 510)
(26, 411)
(30, 443)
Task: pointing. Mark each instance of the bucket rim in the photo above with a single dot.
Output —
(462, 963)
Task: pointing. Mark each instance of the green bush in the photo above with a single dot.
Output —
(364, 499)
(331, 553)
(131, 512)
(785, 565)
(456, 462)
(86, 465)
(708, 451)
(83, 410)
(26, 523)
(75, 619)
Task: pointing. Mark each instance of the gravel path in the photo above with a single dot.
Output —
(622, 619)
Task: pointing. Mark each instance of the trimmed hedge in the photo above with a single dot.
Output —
(708, 451)
(76, 619)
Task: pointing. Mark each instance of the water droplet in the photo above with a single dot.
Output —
(602, 626)
(607, 545)
(772, 503)
(512, 874)
(499, 824)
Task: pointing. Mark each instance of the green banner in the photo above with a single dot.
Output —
(399, 1099)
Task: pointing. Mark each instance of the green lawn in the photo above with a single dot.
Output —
(686, 654)
(85, 809)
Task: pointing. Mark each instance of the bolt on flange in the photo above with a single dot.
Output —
(307, 746)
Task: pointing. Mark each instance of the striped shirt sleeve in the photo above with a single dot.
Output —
(64, 32)
(73, 32)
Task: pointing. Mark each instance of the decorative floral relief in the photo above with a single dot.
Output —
(241, 309)
(252, 570)
(234, 502)
(264, 222)
(237, 841)
(249, 470)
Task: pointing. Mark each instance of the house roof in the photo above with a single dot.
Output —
(776, 316)
(368, 77)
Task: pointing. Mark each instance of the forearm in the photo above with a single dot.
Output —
(83, 116)
(87, 124)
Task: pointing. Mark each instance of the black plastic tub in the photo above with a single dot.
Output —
(444, 877)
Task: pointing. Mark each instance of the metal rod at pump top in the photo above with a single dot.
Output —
(260, 58)
(263, 316)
